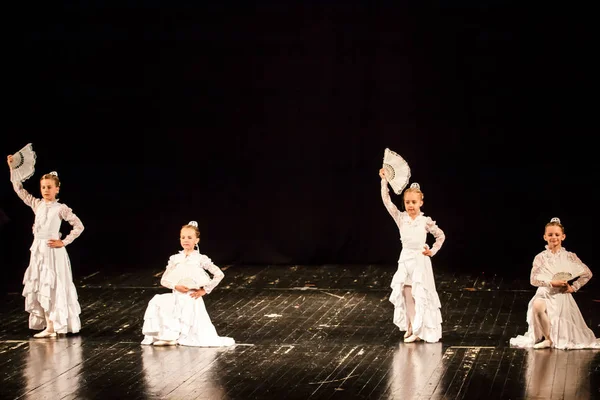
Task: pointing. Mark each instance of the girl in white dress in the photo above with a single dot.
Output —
(552, 315)
(50, 295)
(180, 317)
(415, 299)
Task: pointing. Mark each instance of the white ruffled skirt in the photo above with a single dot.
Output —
(177, 316)
(414, 269)
(568, 329)
(49, 289)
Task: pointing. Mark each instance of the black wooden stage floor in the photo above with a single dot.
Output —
(321, 332)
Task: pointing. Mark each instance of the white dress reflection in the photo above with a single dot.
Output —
(183, 372)
(412, 367)
(53, 368)
(560, 374)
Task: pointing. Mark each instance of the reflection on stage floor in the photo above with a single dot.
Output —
(321, 332)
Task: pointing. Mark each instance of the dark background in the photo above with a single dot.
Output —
(267, 124)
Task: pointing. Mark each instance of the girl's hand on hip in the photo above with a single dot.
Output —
(198, 293)
(427, 251)
(55, 244)
(182, 288)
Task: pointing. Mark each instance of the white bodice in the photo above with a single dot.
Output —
(413, 232)
(189, 263)
(547, 263)
(48, 217)
(47, 221)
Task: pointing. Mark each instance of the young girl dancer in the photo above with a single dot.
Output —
(416, 302)
(552, 315)
(50, 295)
(180, 317)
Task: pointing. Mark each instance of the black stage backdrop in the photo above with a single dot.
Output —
(267, 125)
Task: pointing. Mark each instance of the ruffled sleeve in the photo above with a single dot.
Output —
(536, 278)
(584, 277)
(438, 234)
(217, 274)
(165, 281)
(387, 202)
(25, 196)
(66, 214)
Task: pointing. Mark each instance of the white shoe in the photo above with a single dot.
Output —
(44, 334)
(544, 344)
(165, 343)
(407, 334)
(412, 338)
(147, 340)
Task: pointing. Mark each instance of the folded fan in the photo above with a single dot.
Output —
(397, 171)
(23, 164)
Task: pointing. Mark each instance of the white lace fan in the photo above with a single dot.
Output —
(23, 164)
(562, 276)
(397, 171)
(568, 271)
(193, 277)
(567, 276)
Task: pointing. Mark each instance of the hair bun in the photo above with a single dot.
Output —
(415, 185)
(555, 219)
(193, 223)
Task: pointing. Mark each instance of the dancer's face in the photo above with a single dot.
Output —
(48, 189)
(188, 239)
(554, 236)
(412, 203)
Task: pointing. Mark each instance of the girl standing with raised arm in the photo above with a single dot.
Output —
(50, 295)
(552, 314)
(416, 302)
(180, 317)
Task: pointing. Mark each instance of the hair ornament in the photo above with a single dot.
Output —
(415, 185)
(193, 223)
(54, 173)
(555, 219)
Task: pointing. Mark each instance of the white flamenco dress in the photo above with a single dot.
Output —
(568, 329)
(415, 269)
(179, 317)
(48, 281)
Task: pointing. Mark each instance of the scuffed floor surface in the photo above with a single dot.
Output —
(303, 332)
